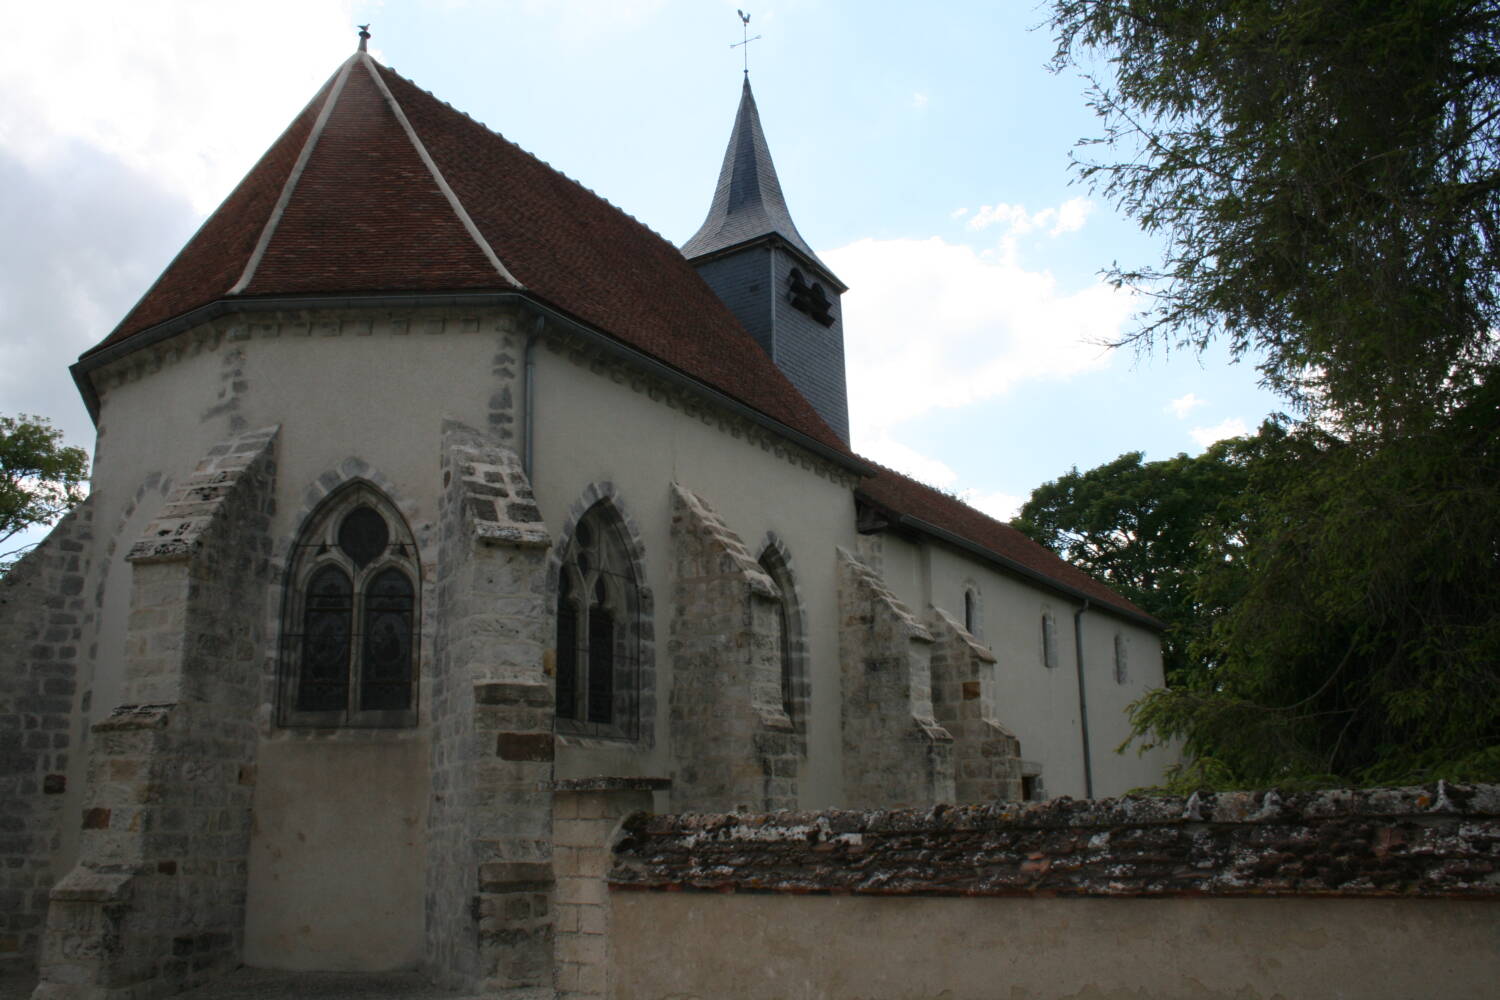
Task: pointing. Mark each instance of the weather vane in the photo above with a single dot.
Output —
(745, 43)
(364, 36)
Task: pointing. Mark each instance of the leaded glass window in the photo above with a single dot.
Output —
(597, 617)
(349, 651)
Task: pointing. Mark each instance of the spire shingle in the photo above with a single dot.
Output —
(748, 203)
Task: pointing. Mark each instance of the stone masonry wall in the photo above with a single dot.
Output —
(733, 745)
(587, 814)
(490, 882)
(895, 753)
(42, 613)
(156, 901)
(1431, 841)
(987, 758)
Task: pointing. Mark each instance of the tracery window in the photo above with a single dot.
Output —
(351, 629)
(598, 604)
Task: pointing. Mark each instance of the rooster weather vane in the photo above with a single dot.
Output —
(746, 40)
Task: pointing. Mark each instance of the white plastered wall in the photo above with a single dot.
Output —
(354, 390)
(594, 425)
(1037, 703)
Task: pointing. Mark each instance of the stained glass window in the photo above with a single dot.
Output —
(350, 651)
(326, 630)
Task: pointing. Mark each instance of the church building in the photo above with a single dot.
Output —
(442, 515)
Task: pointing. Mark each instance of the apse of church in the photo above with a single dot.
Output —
(324, 677)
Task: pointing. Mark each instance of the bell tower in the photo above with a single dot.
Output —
(752, 256)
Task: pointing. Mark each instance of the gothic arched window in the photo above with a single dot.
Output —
(790, 646)
(351, 628)
(598, 606)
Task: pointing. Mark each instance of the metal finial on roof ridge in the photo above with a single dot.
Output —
(364, 36)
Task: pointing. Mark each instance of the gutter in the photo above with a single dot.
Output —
(1083, 701)
(608, 345)
(973, 548)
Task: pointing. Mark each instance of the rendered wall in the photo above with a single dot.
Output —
(598, 423)
(1383, 893)
(671, 947)
(1037, 703)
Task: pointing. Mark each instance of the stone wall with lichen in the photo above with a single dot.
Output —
(42, 613)
(1439, 840)
(1390, 893)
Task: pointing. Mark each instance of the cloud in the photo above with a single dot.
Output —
(1000, 506)
(1183, 405)
(890, 452)
(1071, 215)
(101, 73)
(1068, 217)
(939, 325)
(1205, 436)
(918, 101)
(958, 213)
(96, 234)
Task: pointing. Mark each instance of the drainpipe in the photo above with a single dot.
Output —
(528, 406)
(1083, 702)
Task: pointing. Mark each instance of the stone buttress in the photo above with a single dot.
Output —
(733, 744)
(156, 902)
(895, 753)
(987, 758)
(490, 879)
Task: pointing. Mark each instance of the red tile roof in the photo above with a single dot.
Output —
(344, 203)
(899, 494)
(366, 215)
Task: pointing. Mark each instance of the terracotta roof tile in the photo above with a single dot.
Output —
(212, 261)
(900, 494)
(367, 216)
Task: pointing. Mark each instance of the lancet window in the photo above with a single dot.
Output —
(351, 631)
(598, 607)
(789, 640)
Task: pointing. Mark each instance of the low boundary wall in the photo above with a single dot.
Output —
(1374, 893)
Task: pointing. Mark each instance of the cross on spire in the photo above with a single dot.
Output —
(746, 40)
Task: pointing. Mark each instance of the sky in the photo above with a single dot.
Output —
(924, 156)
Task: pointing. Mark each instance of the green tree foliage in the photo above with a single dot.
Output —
(1148, 529)
(1324, 173)
(40, 478)
(1326, 180)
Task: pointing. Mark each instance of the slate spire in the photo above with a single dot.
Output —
(748, 203)
(751, 255)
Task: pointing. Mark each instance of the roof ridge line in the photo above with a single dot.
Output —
(437, 174)
(290, 185)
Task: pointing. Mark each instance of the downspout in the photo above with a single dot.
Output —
(528, 405)
(1083, 701)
